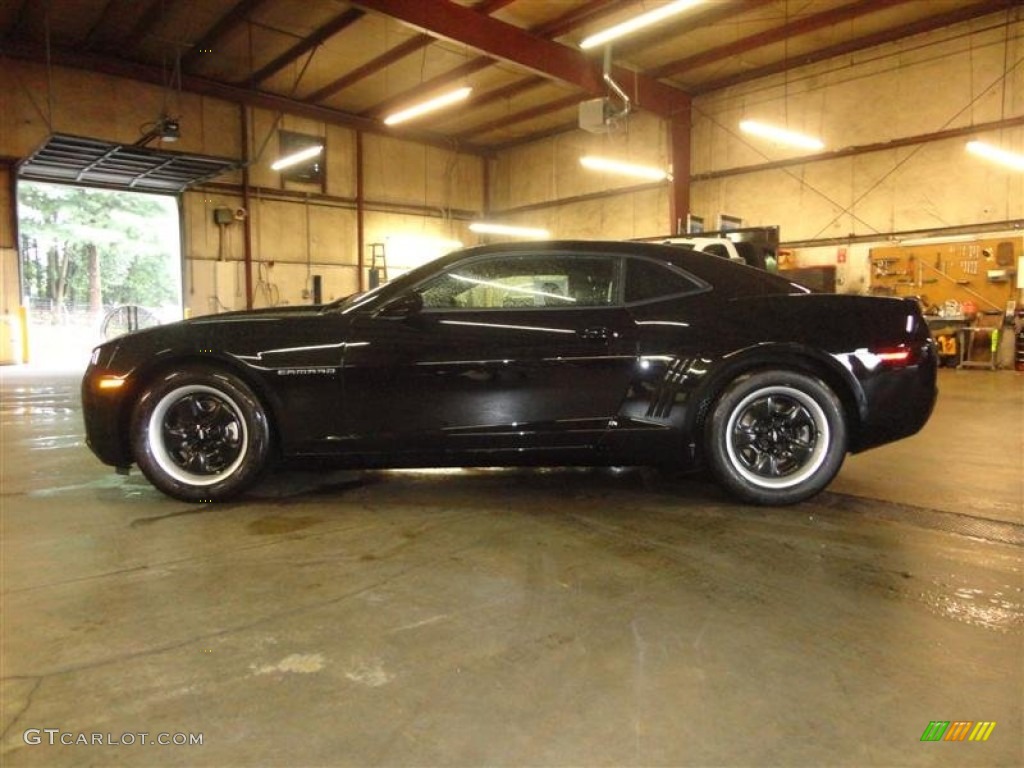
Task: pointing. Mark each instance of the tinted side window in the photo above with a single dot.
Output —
(647, 280)
(523, 281)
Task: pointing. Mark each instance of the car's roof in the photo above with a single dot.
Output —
(724, 275)
(715, 270)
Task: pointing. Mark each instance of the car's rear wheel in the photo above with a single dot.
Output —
(200, 434)
(776, 437)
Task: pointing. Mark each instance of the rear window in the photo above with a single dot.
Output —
(649, 280)
(728, 277)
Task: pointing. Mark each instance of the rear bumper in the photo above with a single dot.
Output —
(899, 401)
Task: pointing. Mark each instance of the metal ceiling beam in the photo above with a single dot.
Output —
(349, 79)
(117, 67)
(957, 16)
(505, 41)
(560, 25)
(18, 28)
(101, 23)
(143, 27)
(519, 117)
(508, 91)
(388, 58)
(224, 26)
(340, 23)
(793, 29)
(577, 17)
(419, 91)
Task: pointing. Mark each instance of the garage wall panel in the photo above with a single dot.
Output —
(99, 106)
(298, 230)
(399, 171)
(953, 78)
(410, 241)
(549, 170)
(624, 216)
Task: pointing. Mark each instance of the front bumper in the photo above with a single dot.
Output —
(107, 416)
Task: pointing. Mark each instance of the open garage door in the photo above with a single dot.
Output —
(100, 241)
(92, 162)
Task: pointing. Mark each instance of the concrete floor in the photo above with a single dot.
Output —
(542, 618)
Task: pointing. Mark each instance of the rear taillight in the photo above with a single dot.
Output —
(894, 356)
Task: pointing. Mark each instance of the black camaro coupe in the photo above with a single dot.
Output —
(542, 354)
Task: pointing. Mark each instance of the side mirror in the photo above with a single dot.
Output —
(406, 305)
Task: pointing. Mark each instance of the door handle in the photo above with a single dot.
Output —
(595, 333)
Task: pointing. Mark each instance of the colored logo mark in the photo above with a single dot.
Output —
(958, 730)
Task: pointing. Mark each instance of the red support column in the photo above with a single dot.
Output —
(360, 224)
(679, 154)
(247, 205)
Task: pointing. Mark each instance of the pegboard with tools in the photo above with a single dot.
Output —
(946, 277)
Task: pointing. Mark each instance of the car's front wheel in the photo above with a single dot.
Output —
(776, 437)
(200, 434)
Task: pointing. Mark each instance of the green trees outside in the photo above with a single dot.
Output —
(95, 249)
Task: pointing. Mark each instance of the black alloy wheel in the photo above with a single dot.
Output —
(776, 437)
(200, 435)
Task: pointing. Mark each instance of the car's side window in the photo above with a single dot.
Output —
(648, 280)
(525, 281)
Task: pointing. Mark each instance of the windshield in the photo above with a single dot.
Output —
(346, 303)
(356, 300)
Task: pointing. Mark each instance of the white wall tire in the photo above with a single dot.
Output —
(200, 435)
(776, 437)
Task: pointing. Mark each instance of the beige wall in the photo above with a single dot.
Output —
(925, 84)
(417, 197)
(544, 174)
(928, 83)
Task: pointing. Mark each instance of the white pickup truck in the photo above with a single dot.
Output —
(743, 252)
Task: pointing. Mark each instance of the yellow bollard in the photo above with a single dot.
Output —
(23, 319)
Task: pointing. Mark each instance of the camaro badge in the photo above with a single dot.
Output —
(323, 371)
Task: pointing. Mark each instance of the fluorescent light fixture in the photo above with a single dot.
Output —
(297, 157)
(626, 169)
(1004, 157)
(781, 135)
(638, 22)
(490, 228)
(438, 102)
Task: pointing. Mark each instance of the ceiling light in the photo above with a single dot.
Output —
(1010, 159)
(626, 169)
(781, 135)
(490, 228)
(638, 22)
(445, 99)
(297, 157)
